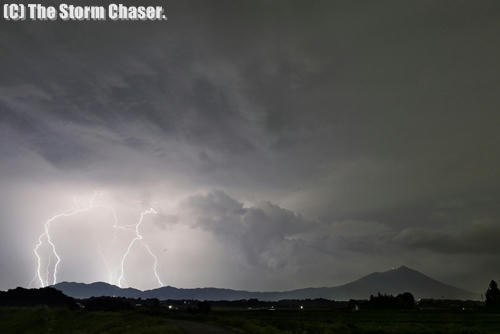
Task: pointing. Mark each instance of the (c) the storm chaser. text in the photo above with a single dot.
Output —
(66, 12)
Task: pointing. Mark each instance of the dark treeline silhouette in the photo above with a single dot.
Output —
(119, 304)
(284, 304)
(35, 297)
(401, 301)
(107, 304)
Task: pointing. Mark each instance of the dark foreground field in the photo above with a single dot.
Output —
(47, 320)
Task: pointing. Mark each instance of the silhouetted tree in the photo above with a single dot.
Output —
(406, 299)
(493, 296)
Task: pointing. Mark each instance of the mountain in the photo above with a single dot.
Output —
(97, 289)
(402, 279)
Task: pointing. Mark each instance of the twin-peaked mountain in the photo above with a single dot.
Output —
(393, 282)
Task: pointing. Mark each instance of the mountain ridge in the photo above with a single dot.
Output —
(394, 281)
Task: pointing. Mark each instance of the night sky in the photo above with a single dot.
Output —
(284, 144)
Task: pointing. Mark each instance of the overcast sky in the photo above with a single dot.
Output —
(284, 144)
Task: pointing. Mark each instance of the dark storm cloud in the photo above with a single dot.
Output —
(476, 238)
(259, 230)
(367, 131)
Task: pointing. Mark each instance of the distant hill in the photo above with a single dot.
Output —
(402, 279)
(97, 289)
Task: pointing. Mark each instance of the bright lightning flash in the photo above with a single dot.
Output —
(79, 208)
(139, 237)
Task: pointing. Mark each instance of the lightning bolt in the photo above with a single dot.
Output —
(139, 237)
(47, 269)
(46, 235)
(155, 264)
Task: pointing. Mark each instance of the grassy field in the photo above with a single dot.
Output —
(42, 320)
(45, 320)
(370, 322)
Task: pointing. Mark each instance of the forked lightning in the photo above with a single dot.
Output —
(79, 209)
